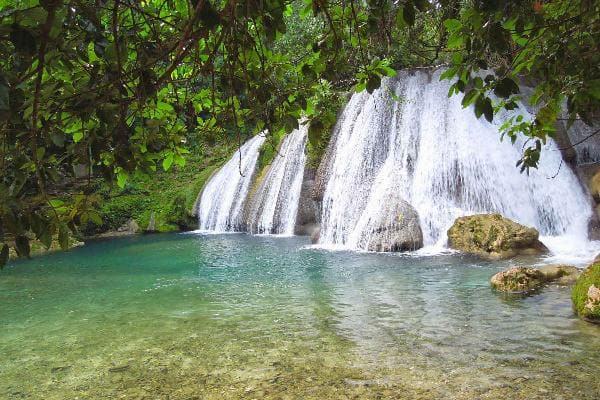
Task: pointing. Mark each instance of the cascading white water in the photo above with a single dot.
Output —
(222, 201)
(274, 206)
(444, 161)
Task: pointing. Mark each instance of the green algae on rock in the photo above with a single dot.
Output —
(526, 279)
(586, 293)
(494, 237)
(518, 280)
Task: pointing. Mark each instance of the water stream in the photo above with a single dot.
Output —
(429, 151)
(274, 206)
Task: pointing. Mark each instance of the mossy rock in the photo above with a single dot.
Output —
(561, 274)
(494, 237)
(518, 280)
(586, 293)
(526, 279)
(595, 187)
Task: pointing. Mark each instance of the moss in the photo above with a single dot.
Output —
(591, 276)
(269, 150)
(169, 195)
(322, 125)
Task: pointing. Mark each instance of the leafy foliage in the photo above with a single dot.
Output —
(117, 88)
(548, 45)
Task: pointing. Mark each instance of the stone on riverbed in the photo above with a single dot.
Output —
(518, 280)
(526, 279)
(494, 237)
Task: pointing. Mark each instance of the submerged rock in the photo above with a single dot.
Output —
(562, 274)
(525, 279)
(397, 230)
(586, 293)
(493, 236)
(518, 280)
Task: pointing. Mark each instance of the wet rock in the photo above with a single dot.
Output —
(526, 279)
(518, 280)
(397, 230)
(120, 368)
(494, 237)
(595, 187)
(315, 235)
(306, 216)
(562, 274)
(586, 293)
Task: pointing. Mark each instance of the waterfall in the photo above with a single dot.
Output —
(274, 207)
(222, 201)
(429, 151)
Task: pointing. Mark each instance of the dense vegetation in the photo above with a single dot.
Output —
(117, 89)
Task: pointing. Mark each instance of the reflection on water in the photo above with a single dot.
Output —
(233, 316)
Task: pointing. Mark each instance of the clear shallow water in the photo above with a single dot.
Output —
(235, 316)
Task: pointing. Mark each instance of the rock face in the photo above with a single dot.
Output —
(586, 293)
(595, 187)
(397, 230)
(494, 237)
(525, 279)
(306, 217)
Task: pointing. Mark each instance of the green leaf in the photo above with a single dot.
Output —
(470, 97)
(55, 203)
(452, 25)
(22, 246)
(168, 161)
(3, 256)
(122, 178)
(77, 136)
(63, 236)
(505, 88)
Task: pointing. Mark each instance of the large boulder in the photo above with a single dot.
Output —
(526, 279)
(494, 237)
(398, 228)
(586, 293)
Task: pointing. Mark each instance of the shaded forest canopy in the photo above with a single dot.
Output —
(121, 88)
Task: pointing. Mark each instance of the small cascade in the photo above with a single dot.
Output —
(222, 201)
(274, 207)
(427, 150)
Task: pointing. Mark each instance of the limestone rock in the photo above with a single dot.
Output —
(315, 235)
(494, 237)
(562, 274)
(306, 216)
(592, 303)
(397, 230)
(518, 280)
(595, 187)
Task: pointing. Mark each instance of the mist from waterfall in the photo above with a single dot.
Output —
(428, 150)
(223, 198)
(274, 206)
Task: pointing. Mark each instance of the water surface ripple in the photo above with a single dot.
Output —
(235, 316)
